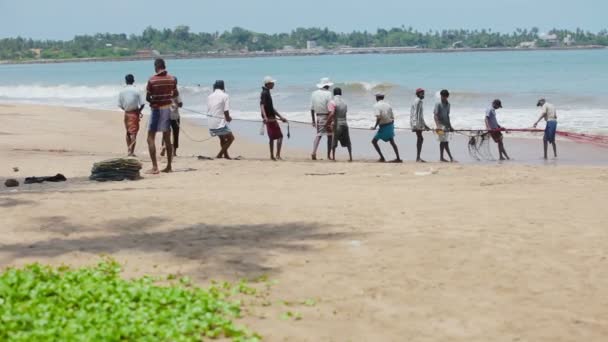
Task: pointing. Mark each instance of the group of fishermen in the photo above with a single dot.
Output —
(328, 114)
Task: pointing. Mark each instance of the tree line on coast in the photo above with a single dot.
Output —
(182, 41)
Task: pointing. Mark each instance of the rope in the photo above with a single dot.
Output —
(599, 140)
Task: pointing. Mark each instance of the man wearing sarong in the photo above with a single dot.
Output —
(417, 122)
(270, 115)
(161, 92)
(218, 109)
(337, 118)
(444, 125)
(130, 101)
(319, 104)
(385, 120)
(549, 114)
(495, 129)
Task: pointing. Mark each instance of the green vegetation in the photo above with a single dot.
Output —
(40, 303)
(180, 41)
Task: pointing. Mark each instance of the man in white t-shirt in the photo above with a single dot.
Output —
(385, 121)
(218, 110)
(549, 113)
(319, 107)
(129, 100)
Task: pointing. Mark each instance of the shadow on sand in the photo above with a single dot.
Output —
(241, 250)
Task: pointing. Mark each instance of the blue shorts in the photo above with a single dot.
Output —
(160, 120)
(550, 130)
(386, 132)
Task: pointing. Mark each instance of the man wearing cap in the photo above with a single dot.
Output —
(495, 129)
(270, 115)
(160, 92)
(319, 107)
(444, 125)
(417, 122)
(218, 110)
(549, 113)
(337, 117)
(385, 119)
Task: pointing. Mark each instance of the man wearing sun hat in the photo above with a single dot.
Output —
(270, 115)
(417, 122)
(319, 112)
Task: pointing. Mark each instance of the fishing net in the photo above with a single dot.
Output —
(479, 145)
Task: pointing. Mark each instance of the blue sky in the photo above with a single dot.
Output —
(62, 19)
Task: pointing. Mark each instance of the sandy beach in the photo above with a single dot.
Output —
(462, 252)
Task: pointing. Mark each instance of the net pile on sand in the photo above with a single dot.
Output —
(116, 170)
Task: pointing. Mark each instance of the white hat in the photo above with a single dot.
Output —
(325, 82)
(269, 79)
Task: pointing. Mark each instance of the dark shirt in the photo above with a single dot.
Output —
(266, 101)
(442, 114)
(161, 90)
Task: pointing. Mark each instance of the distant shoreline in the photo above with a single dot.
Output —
(300, 53)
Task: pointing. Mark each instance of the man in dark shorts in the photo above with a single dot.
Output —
(337, 117)
(270, 115)
(161, 91)
(495, 129)
(417, 122)
(549, 114)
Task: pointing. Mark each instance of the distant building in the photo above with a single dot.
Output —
(549, 38)
(568, 40)
(457, 45)
(108, 45)
(527, 45)
(147, 53)
(288, 48)
(311, 44)
(36, 52)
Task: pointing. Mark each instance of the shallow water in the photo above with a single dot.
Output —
(573, 80)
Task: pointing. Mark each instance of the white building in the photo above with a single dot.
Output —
(527, 45)
(311, 44)
(568, 40)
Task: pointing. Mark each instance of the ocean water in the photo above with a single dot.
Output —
(575, 81)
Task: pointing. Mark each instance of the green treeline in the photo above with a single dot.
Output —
(181, 41)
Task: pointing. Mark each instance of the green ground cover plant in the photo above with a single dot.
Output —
(42, 303)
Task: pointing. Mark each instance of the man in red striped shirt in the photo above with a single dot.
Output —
(160, 92)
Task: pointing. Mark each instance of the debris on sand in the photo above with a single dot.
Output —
(11, 183)
(117, 169)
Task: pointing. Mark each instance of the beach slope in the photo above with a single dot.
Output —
(377, 252)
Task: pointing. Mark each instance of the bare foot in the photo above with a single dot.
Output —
(381, 160)
(162, 152)
(454, 161)
(273, 158)
(313, 156)
(350, 160)
(152, 172)
(397, 161)
(167, 170)
(420, 161)
(444, 160)
(279, 158)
